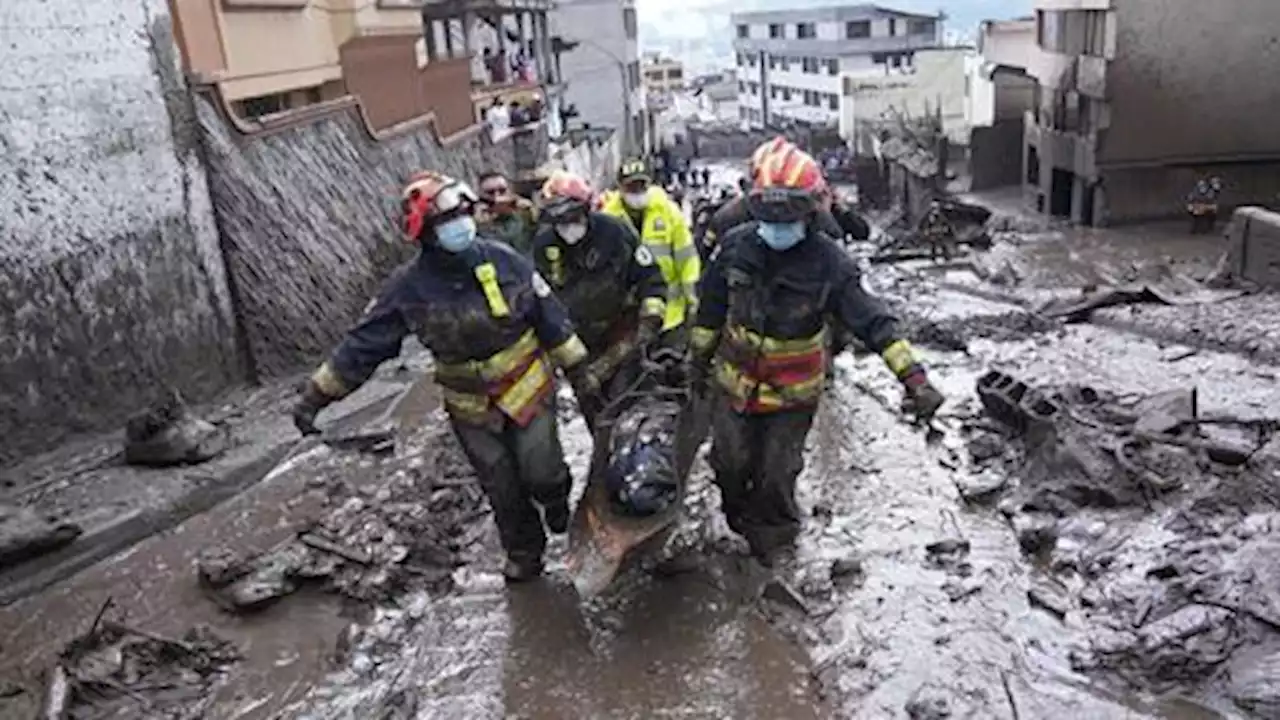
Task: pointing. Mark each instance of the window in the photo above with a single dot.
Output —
(833, 67)
(740, 59)
(893, 26)
(633, 74)
(879, 58)
(264, 105)
(675, 74)
(833, 101)
(773, 63)
(806, 31)
(857, 29)
(775, 31)
(809, 65)
(773, 92)
(743, 31)
(784, 64)
(742, 87)
(786, 94)
(921, 27)
(629, 22)
(742, 113)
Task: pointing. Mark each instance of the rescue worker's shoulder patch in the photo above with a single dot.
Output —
(644, 256)
(659, 224)
(540, 286)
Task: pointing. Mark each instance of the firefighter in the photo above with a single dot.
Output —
(503, 215)
(495, 329)
(608, 280)
(761, 336)
(662, 228)
(937, 232)
(734, 212)
(1202, 204)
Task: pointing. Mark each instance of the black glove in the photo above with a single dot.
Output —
(310, 403)
(923, 399)
(697, 370)
(586, 386)
(649, 330)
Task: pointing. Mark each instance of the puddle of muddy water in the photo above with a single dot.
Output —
(675, 647)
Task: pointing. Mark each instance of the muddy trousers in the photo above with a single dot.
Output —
(756, 459)
(518, 467)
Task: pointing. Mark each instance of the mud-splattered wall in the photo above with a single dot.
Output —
(307, 208)
(110, 275)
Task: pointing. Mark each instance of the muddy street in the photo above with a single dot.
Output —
(947, 572)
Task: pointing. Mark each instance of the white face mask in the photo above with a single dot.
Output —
(572, 233)
(636, 201)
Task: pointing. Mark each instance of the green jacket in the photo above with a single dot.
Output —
(515, 228)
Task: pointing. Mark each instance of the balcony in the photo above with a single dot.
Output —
(1063, 149)
(1091, 76)
(1052, 69)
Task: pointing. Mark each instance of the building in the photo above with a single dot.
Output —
(933, 87)
(791, 63)
(402, 59)
(600, 66)
(1135, 99)
(717, 95)
(998, 94)
(662, 74)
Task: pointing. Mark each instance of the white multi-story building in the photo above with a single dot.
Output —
(791, 63)
(600, 66)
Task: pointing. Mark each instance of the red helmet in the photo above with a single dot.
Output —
(429, 198)
(788, 186)
(564, 195)
(778, 144)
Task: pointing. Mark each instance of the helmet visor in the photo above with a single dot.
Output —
(780, 205)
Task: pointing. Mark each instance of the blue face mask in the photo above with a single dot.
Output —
(457, 234)
(781, 236)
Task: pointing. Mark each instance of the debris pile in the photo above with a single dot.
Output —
(1169, 602)
(25, 535)
(116, 671)
(370, 541)
(168, 434)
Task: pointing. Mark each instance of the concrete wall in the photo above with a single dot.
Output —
(1187, 81)
(595, 82)
(307, 211)
(995, 155)
(1138, 194)
(111, 280)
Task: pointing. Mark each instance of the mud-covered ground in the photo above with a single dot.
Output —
(977, 569)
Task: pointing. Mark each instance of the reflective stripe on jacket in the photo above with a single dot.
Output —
(666, 234)
(762, 320)
(763, 374)
(492, 323)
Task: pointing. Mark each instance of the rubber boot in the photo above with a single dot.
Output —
(556, 517)
(518, 570)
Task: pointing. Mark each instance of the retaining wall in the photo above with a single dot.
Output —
(307, 207)
(111, 280)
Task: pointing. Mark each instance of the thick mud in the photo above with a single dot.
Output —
(986, 566)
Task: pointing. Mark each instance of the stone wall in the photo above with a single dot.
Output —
(111, 280)
(307, 210)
